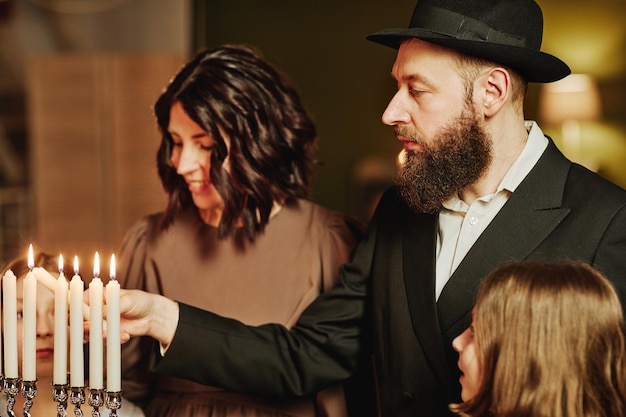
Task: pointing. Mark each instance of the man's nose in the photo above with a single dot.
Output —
(396, 112)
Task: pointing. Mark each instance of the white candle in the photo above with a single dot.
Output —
(9, 302)
(45, 278)
(77, 372)
(50, 283)
(29, 305)
(96, 356)
(114, 363)
(59, 376)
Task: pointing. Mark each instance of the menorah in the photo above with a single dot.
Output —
(68, 299)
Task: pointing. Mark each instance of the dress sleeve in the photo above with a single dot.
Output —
(137, 380)
(341, 234)
(132, 256)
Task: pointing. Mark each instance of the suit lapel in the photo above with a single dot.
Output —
(418, 257)
(529, 216)
(531, 213)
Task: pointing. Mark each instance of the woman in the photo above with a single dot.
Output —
(238, 236)
(546, 340)
(43, 403)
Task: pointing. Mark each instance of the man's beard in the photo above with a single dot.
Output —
(456, 158)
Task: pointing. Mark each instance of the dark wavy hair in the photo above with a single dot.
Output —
(232, 91)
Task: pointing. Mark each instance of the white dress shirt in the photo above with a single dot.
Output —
(460, 225)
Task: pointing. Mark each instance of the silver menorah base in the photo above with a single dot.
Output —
(113, 402)
(96, 400)
(11, 388)
(59, 395)
(77, 398)
(29, 392)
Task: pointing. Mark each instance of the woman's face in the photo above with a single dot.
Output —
(471, 372)
(45, 327)
(191, 157)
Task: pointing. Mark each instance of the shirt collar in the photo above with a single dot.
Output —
(535, 145)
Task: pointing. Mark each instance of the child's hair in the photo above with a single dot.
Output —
(550, 341)
(19, 265)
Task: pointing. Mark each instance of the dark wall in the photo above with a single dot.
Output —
(344, 79)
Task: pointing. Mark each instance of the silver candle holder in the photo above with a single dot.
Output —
(12, 388)
(77, 398)
(59, 395)
(29, 392)
(96, 400)
(113, 402)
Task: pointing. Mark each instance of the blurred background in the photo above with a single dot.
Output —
(78, 79)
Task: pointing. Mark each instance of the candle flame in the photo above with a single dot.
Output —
(60, 264)
(96, 266)
(31, 257)
(112, 267)
(75, 265)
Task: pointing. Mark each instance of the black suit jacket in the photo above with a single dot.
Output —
(385, 309)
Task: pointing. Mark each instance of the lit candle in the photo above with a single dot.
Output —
(50, 282)
(59, 376)
(45, 278)
(96, 357)
(29, 303)
(9, 302)
(114, 364)
(77, 375)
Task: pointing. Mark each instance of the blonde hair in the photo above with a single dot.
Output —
(550, 340)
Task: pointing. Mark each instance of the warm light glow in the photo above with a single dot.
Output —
(96, 266)
(567, 103)
(112, 267)
(589, 38)
(60, 264)
(31, 257)
(75, 265)
(401, 158)
(575, 97)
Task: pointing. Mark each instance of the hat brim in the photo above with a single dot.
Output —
(535, 66)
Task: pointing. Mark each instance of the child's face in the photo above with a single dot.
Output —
(45, 327)
(471, 372)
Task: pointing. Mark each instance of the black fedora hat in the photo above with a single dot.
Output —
(508, 32)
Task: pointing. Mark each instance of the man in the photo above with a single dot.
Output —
(480, 186)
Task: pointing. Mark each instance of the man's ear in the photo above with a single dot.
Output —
(496, 87)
